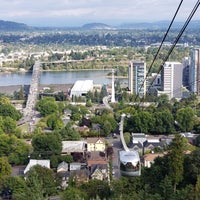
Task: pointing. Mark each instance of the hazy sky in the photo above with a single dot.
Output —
(79, 12)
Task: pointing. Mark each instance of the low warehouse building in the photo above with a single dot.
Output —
(81, 88)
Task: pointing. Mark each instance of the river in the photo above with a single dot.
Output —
(58, 77)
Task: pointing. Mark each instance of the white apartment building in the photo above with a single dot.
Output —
(136, 77)
(171, 79)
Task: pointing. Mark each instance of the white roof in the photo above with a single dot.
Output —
(73, 146)
(129, 156)
(172, 63)
(153, 140)
(32, 162)
(85, 85)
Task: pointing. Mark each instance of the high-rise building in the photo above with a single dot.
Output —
(136, 78)
(194, 71)
(171, 79)
(186, 65)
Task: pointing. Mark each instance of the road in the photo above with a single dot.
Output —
(29, 112)
(117, 146)
(105, 102)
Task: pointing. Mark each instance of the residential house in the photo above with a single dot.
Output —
(82, 129)
(96, 144)
(99, 172)
(69, 147)
(32, 162)
(190, 137)
(96, 158)
(80, 175)
(86, 121)
(76, 166)
(137, 141)
(138, 138)
(97, 165)
(136, 146)
(151, 144)
(62, 167)
(149, 158)
(74, 170)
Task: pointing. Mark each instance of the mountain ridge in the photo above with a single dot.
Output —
(15, 26)
(12, 26)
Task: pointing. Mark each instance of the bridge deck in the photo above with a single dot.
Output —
(29, 110)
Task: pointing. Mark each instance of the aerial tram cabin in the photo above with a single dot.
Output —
(130, 164)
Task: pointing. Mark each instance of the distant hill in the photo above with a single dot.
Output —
(12, 26)
(97, 26)
(158, 25)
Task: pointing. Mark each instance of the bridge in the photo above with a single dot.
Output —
(29, 110)
(69, 61)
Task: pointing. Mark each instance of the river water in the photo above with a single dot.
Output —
(60, 77)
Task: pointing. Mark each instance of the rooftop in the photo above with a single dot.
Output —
(73, 146)
(32, 162)
(85, 85)
(95, 139)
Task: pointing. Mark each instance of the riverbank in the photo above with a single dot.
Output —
(22, 70)
(9, 90)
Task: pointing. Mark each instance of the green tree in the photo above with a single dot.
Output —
(9, 125)
(147, 121)
(47, 144)
(126, 188)
(4, 100)
(197, 141)
(127, 137)
(96, 188)
(15, 149)
(185, 118)
(72, 193)
(55, 122)
(69, 133)
(1, 124)
(16, 184)
(34, 189)
(162, 99)
(76, 116)
(107, 128)
(44, 176)
(197, 188)
(133, 123)
(5, 168)
(160, 167)
(167, 188)
(176, 159)
(109, 117)
(47, 106)
(7, 110)
(19, 95)
(164, 122)
(192, 167)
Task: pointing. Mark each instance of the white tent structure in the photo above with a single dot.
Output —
(81, 88)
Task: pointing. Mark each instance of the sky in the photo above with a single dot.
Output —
(79, 12)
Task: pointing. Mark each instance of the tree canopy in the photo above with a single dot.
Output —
(47, 106)
(47, 144)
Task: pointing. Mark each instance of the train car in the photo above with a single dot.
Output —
(129, 163)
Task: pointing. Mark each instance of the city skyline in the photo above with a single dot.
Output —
(76, 13)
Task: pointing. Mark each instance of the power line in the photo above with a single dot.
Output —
(177, 39)
(172, 21)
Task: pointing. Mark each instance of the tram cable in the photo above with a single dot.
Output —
(176, 41)
(149, 71)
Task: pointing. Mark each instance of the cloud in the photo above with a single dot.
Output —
(96, 10)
